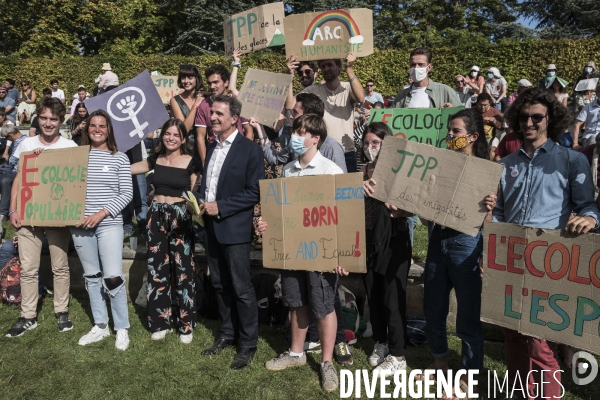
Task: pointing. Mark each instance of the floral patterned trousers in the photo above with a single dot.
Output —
(171, 279)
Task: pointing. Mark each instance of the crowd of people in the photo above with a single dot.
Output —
(208, 148)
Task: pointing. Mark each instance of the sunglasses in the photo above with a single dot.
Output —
(535, 118)
(370, 85)
(306, 72)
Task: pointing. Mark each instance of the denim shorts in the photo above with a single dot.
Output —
(302, 288)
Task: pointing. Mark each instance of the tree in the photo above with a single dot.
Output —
(445, 23)
(563, 19)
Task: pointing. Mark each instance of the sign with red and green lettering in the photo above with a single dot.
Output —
(52, 187)
(315, 223)
(543, 283)
(423, 125)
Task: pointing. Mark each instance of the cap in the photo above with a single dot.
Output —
(550, 66)
(80, 87)
(495, 71)
(475, 68)
(524, 83)
(106, 67)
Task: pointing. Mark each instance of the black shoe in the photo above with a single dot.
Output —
(243, 357)
(22, 325)
(217, 346)
(64, 323)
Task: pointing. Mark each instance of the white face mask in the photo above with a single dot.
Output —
(473, 74)
(551, 73)
(418, 74)
(372, 153)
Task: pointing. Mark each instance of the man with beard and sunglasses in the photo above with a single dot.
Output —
(542, 185)
(339, 99)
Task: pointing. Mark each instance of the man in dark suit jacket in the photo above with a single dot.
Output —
(232, 169)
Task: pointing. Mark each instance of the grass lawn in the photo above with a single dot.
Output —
(47, 364)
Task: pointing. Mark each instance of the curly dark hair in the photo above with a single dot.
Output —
(218, 69)
(558, 116)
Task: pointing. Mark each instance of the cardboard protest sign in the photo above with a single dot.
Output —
(254, 29)
(586, 84)
(543, 283)
(263, 95)
(166, 86)
(329, 34)
(315, 223)
(52, 187)
(439, 185)
(135, 109)
(423, 125)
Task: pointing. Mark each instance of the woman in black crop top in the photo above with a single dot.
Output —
(171, 235)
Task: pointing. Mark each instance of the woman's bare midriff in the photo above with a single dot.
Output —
(168, 199)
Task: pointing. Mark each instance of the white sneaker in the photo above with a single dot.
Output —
(122, 342)
(390, 365)
(186, 339)
(95, 335)
(378, 355)
(160, 335)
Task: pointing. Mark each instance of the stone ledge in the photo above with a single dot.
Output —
(135, 266)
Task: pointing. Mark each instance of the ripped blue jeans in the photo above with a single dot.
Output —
(101, 253)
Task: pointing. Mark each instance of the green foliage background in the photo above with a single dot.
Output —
(389, 68)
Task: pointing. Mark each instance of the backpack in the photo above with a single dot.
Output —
(270, 305)
(10, 281)
(352, 319)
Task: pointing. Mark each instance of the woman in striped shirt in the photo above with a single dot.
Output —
(99, 238)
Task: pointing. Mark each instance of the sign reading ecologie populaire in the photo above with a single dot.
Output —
(263, 95)
(439, 185)
(543, 283)
(329, 34)
(52, 187)
(423, 125)
(315, 223)
(254, 29)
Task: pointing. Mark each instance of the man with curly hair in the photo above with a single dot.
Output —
(541, 186)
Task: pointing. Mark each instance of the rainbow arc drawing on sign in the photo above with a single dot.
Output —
(339, 16)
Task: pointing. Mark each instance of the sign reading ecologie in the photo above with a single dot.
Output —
(329, 34)
(315, 223)
(254, 29)
(263, 95)
(439, 185)
(52, 187)
(166, 86)
(423, 125)
(543, 283)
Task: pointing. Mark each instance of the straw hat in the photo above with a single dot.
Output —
(106, 67)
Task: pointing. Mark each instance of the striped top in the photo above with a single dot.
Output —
(108, 185)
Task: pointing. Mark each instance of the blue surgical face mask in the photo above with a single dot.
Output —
(297, 145)
(490, 75)
(551, 73)
(588, 70)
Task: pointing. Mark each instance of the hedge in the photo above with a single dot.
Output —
(388, 68)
